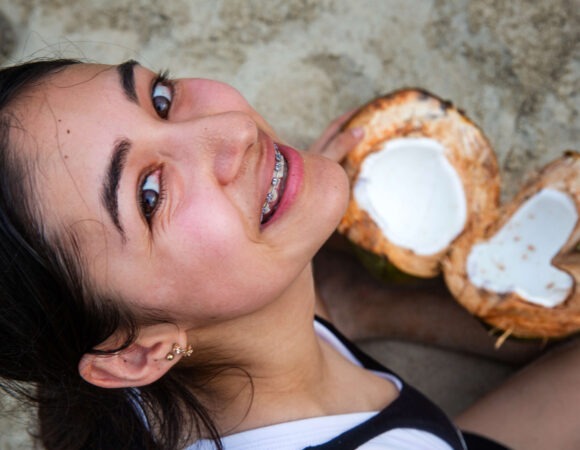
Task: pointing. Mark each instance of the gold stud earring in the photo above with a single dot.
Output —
(179, 350)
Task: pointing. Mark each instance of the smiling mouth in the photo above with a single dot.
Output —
(277, 186)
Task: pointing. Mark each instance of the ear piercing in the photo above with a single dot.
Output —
(179, 350)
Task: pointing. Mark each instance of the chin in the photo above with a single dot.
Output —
(331, 195)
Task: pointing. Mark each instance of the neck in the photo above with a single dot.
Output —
(270, 339)
(282, 370)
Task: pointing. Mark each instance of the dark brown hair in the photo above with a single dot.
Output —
(49, 319)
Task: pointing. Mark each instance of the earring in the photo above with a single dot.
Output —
(179, 350)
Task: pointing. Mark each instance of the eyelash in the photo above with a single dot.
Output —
(150, 216)
(163, 79)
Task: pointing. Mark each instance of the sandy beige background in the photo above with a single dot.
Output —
(512, 66)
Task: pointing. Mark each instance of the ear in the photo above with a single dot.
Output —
(142, 363)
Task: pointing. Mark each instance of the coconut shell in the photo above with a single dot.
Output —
(509, 312)
(414, 113)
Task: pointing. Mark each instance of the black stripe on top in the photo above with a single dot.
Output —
(410, 409)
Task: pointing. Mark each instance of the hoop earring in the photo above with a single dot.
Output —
(179, 350)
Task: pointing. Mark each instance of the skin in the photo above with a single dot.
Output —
(204, 263)
(222, 281)
(205, 236)
(535, 409)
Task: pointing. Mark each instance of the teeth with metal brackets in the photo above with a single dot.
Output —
(275, 191)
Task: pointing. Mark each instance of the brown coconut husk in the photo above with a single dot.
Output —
(508, 312)
(415, 113)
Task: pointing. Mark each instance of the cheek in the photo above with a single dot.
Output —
(215, 269)
(210, 245)
(216, 96)
(210, 228)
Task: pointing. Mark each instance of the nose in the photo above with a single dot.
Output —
(232, 135)
(220, 142)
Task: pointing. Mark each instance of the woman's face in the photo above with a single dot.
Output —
(164, 182)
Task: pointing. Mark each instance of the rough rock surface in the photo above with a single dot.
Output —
(514, 67)
(6, 37)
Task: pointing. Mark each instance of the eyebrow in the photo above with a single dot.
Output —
(111, 184)
(110, 190)
(126, 73)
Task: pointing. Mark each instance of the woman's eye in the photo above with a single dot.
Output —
(162, 96)
(150, 194)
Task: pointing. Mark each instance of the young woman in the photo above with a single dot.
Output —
(156, 288)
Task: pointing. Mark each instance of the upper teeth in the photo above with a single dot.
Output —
(277, 176)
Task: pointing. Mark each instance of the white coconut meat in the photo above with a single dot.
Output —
(413, 194)
(518, 257)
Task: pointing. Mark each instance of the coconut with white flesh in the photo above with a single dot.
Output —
(422, 174)
(520, 274)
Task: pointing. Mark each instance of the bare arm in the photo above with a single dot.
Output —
(364, 308)
(537, 408)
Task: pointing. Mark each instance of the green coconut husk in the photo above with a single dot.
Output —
(383, 270)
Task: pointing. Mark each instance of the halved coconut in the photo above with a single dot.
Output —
(422, 175)
(520, 274)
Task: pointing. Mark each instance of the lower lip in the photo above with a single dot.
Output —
(294, 178)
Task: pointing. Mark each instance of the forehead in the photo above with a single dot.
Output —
(54, 111)
(66, 83)
(73, 95)
(66, 126)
